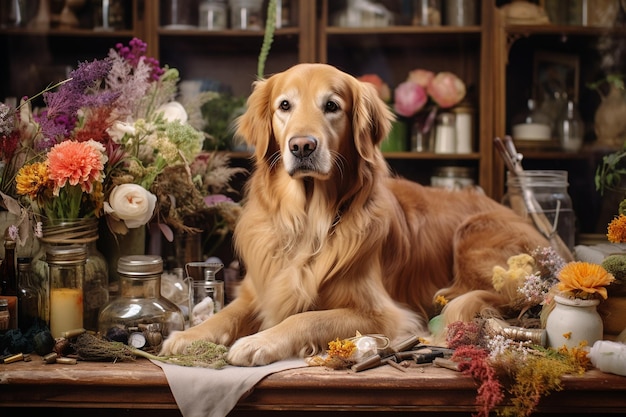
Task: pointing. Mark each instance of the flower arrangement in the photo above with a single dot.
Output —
(444, 89)
(112, 141)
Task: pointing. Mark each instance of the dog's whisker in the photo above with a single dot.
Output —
(274, 159)
(339, 160)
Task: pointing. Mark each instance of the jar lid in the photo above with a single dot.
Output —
(66, 254)
(140, 265)
(454, 172)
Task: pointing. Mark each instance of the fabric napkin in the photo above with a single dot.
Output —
(205, 392)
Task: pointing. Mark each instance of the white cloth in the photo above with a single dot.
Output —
(204, 392)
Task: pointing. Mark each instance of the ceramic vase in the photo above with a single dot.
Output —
(573, 321)
(610, 119)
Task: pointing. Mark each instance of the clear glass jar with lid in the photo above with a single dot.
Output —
(548, 188)
(140, 315)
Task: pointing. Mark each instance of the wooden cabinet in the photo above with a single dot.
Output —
(517, 49)
(494, 59)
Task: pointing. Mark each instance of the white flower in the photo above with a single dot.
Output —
(132, 204)
(173, 111)
(119, 129)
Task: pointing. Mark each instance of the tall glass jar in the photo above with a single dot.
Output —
(66, 268)
(140, 315)
(549, 189)
(63, 232)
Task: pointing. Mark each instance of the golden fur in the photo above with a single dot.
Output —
(333, 243)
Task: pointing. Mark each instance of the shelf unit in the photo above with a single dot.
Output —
(493, 58)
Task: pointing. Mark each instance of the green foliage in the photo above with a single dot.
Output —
(220, 114)
(610, 172)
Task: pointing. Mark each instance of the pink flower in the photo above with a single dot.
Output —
(421, 77)
(381, 87)
(446, 89)
(409, 98)
(76, 163)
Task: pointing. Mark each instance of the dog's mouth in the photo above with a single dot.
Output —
(305, 158)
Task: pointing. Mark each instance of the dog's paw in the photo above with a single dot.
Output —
(256, 350)
(176, 343)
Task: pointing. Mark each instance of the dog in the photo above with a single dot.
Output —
(333, 243)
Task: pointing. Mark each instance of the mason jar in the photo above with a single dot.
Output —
(543, 192)
(140, 316)
(66, 269)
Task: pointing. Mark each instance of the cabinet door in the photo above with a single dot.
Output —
(45, 44)
(392, 42)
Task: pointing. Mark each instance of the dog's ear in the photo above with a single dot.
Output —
(254, 126)
(371, 119)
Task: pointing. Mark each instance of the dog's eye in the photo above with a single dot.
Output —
(331, 107)
(284, 105)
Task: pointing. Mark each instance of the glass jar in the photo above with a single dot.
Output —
(246, 14)
(461, 12)
(548, 188)
(64, 232)
(212, 15)
(66, 269)
(445, 133)
(570, 128)
(140, 315)
(426, 12)
(453, 178)
(206, 295)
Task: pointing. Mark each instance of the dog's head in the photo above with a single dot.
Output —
(309, 118)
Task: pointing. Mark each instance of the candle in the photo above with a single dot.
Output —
(66, 310)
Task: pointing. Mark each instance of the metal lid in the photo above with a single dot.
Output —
(140, 265)
(66, 254)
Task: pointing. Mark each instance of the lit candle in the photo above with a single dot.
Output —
(66, 310)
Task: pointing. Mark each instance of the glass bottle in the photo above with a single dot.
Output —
(549, 189)
(8, 280)
(426, 12)
(29, 297)
(570, 128)
(532, 124)
(140, 315)
(66, 268)
(445, 133)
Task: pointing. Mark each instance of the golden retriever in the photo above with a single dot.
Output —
(332, 243)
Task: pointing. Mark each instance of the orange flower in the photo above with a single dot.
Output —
(32, 180)
(79, 163)
(617, 230)
(582, 279)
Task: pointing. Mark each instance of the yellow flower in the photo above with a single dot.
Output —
(441, 300)
(583, 279)
(617, 229)
(341, 348)
(32, 180)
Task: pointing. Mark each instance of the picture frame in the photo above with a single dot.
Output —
(556, 73)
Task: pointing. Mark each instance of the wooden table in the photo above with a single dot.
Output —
(141, 389)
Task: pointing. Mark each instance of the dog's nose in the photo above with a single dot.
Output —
(302, 146)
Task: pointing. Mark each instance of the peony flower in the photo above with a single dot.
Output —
(76, 163)
(409, 98)
(132, 204)
(421, 77)
(446, 89)
(173, 111)
(381, 87)
(582, 279)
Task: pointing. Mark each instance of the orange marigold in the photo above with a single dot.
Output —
(583, 279)
(617, 229)
(341, 348)
(32, 180)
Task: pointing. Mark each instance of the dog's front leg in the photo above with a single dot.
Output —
(304, 334)
(234, 321)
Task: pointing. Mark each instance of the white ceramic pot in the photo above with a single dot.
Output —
(573, 321)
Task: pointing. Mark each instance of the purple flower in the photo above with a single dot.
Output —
(214, 199)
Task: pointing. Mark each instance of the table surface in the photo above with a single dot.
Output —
(142, 385)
